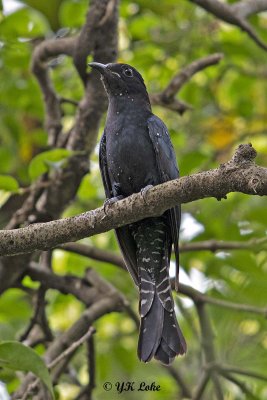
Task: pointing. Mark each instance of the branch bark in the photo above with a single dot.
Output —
(240, 174)
(47, 204)
(254, 245)
(236, 14)
(245, 8)
(42, 53)
(166, 98)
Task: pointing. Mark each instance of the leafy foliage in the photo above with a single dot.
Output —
(18, 357)
(229, 107)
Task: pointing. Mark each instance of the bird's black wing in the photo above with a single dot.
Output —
(168, 170)
(125, 239)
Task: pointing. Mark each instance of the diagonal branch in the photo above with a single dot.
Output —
(241, 371)
(183, 77)
(240, 174)
(236, 14)
(245, 8)
(166, 98)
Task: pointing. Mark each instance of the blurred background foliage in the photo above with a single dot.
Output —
(229, 107)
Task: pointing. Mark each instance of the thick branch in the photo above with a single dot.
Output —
(100, 13)
(78, 287)
(240, 174)
(47, 204)
(166, 97)
(42, 53)
(245, 8)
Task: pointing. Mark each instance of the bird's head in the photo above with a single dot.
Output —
(120, 79)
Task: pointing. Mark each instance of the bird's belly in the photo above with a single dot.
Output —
(131, 161)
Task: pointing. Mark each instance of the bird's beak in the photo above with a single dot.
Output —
(100, 67)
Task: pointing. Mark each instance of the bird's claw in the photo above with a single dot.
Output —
(144, 191)
(109, 202)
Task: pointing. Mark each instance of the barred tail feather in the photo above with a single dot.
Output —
(172, 341)
(160, 335)
(150, 331)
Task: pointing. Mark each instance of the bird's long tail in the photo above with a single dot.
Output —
(160, 335)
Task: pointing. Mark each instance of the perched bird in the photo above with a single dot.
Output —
(136, 152)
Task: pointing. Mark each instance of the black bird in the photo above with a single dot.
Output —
(136, 152)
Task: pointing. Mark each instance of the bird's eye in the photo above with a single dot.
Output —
(128, 72)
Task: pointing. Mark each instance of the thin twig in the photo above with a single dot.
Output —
(208, 349)
(58, 359)
(199, 297)
(243, 387)
(71, 348)
(241, 371)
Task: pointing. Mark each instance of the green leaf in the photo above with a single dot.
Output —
(8, 183)
(16, 356)
(43, 162)
(72, 13)
(23, 23)
(49, 8)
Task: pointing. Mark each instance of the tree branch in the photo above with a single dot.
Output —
(99, 14)
(199, 297)
(245, 8)
(208, 350)
(73, 347)
(68, 286)
(80, 288)
(236, 14)
(42, 53)
(94, 253)
(166, 98)
(242, 386)
(48, 203)
(109, 300)
(240, 174)
(66, 353)
(185, 389)
(254, 245)
(241, 371)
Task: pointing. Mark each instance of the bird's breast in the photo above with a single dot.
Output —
(130, 157)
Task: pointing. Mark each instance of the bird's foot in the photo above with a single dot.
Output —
(112, 200)
(144, 191)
